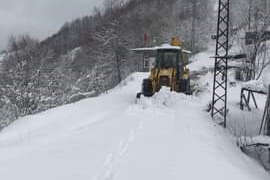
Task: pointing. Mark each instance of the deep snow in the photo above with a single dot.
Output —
(168, 136)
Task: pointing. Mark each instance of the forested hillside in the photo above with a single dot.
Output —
(91, 55)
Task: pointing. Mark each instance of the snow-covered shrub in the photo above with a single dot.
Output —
(8, 114)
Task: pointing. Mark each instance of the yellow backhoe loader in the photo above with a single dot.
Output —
(170, 69)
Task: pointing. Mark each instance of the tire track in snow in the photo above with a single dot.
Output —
(114, 159)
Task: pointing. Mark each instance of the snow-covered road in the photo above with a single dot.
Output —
(113, 137)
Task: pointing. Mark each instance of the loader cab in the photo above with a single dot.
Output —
(168, 58)
(172, 58)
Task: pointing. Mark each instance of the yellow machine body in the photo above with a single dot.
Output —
(170, 70)
(156, 76)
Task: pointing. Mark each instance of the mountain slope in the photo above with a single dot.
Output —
(168, 136)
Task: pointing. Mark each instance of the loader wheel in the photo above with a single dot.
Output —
(138, 96)
(184, 86)
(147, 88)
(188, 88)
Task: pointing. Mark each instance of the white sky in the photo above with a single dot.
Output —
(39, 18)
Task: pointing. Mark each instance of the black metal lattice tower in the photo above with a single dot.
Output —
(219, 101)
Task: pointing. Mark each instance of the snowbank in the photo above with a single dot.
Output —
(260, 85)
(256, 85)
(248, 141)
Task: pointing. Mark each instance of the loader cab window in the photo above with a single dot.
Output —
(167, 59)
(185, 58)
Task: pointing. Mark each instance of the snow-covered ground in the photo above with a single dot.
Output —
(240, 123)
(168, 136)
(115, 137)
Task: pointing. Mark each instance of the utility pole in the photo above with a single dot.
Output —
(193, 26)
(249, 14)
(219, 98)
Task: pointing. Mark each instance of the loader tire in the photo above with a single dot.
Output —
(147, 88)
(184, 86)
(138, 96)
(188, 87)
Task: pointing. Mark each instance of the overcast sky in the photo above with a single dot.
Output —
(39, 18)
